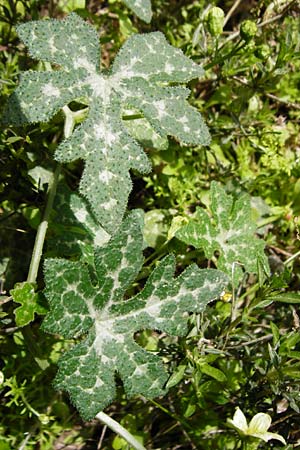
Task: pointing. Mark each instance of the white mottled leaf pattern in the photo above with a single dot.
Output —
(142, 8)
(229, 231)
(72, 226)
(140, 78)
(99, 311)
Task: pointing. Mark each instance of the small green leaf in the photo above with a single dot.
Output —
(98, 310)
(213, 372)
(275, 332)
(31, 302)
(229, 231)
(71, 5)
(13, 139)
(286, 297)
(176, 376)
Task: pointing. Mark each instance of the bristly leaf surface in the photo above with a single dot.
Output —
(107, 322)
(140, 78)
(142, 8)
(229, 231)
(72, 227)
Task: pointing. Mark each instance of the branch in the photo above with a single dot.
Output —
(231, 11)
(271, 96)
(42, 230)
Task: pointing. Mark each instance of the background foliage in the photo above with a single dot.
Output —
(244, 351)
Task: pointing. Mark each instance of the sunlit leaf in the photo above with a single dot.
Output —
(99, 312)
(142, 77)
(31, 303)
(226, 234)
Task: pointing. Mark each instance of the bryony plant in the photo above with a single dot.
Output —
(257, 428)
(140, 77)
(98, 310)
(87, 297)
(226, 233)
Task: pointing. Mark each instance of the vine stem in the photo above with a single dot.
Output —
(121, 431)
(36, 256)
(42, 229)
(291, 258)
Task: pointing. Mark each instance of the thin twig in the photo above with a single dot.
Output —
(101, 437)
(231, 11)
(285, 102)
(24, 442)
(291, 258)
(254, 341)
(280, 250)
(271, 96)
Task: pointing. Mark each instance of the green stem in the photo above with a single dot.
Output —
(291, 258)
(250, 445)
(133, 117)
(237, 47)
(37, 252)
(42, 229)
(121, 431)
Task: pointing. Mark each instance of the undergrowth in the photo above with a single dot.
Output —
(241, 351)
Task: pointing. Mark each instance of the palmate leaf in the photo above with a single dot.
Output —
(140, 78)
(142, 8)
(108, 322)
(229, 231)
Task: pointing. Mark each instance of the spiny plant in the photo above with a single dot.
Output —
(88, 297)
(79, 307)
(140, 77)
(229, 231)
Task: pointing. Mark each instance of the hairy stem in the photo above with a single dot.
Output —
(121, 431)
(42, 229)
(37, 252)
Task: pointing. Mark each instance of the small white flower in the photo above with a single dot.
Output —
(258, 426)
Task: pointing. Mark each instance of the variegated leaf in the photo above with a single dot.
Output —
(227, 233)
(106, 322)
(140, 78)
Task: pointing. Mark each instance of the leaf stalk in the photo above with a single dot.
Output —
(121, 431)
(42, 229)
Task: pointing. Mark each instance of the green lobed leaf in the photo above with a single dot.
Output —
(72, 225)
(140, 78)
(229, 231)
(31, 304)
(98, 310)
(143, 132)
(142, 8)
